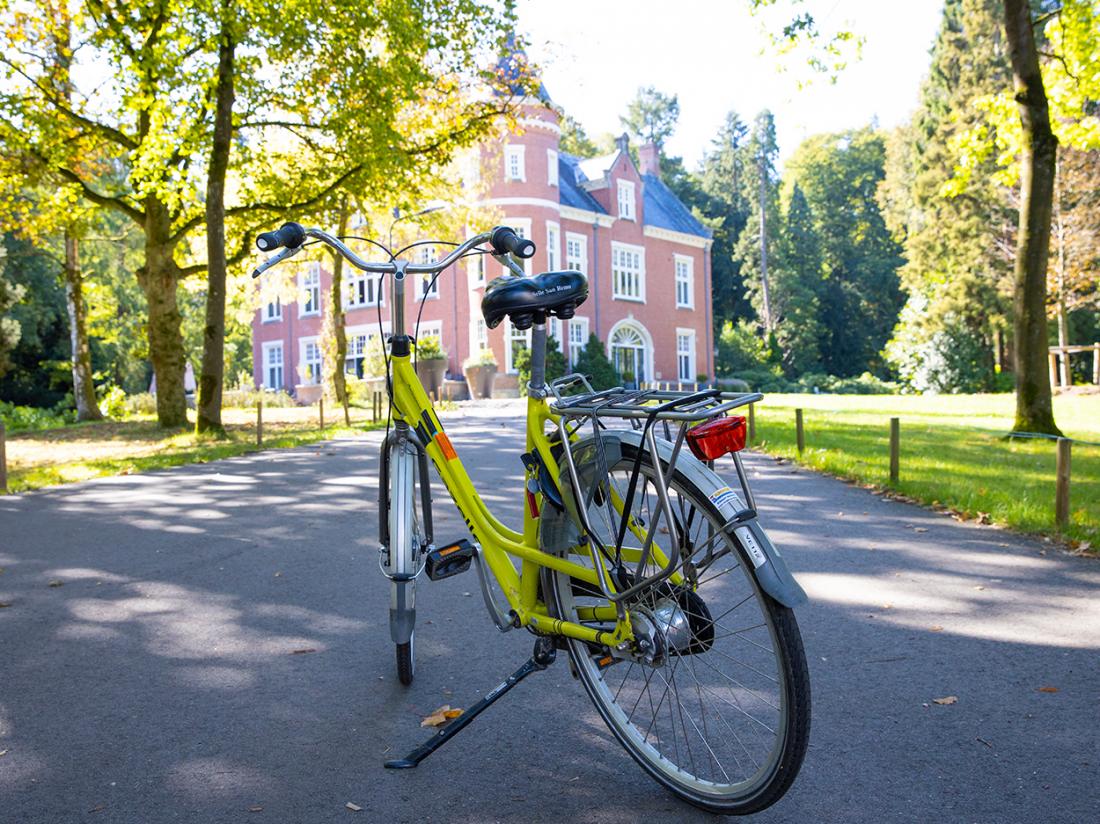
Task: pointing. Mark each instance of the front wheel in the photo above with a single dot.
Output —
(716, 707)
(406, 661)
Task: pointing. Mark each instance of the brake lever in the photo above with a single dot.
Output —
(507, 261)
(275, 259)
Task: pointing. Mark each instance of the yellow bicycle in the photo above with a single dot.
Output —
(634, 555)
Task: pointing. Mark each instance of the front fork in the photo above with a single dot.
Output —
(401, 546)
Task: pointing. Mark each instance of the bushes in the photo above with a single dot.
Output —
(555, 364)
(765, 380)
(593, 363)
(29, 418)
(245, 398)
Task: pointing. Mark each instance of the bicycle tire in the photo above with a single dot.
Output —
(769, 782)
(406, 661)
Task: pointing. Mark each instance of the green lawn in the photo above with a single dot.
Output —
(953, 453)
(76, 453)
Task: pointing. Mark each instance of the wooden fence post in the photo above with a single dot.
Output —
(895, 450)
(3, 460)
(321, 412)
(800, 436)
(1061, 489)
(259, 423)
(752, 424)
(1096, 363)
(1053, 368)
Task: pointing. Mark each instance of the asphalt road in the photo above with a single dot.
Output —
(218, 642)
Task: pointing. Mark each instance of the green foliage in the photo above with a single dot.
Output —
(575, 140)
(430, 348)
(28, 418)
(740, 348)
(483, 357)
(593, 363)
(651, 116)
(555, 364)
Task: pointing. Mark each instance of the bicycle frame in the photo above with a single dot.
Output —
(498, 542)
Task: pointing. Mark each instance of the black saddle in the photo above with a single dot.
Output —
(526, 300)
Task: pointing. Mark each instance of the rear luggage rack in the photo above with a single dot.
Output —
(577, 403)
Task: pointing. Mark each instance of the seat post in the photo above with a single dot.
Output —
(536, 387)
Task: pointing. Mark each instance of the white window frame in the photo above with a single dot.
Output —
(373, 293)
(553, 246)
(689, 353)
(431, 329)
(553, 329)
(427, 254)
(626, 200)
(268, 347)
(579, 261)
(308, 375)
(578, 337)
(368, 331)
(551, 167)
(513, 335)
(273, 316)
(309, 283)
(479, 335)
(475, 271)
(620, 278)
(515, 166)
(684, 268)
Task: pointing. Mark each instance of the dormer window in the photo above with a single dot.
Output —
(626, 200)
(551, 167)
(513, 163)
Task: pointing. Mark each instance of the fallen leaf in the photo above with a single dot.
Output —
(947, 699)
(920, 529)
(4, 752)
(887, 606)
(255, 808)
(5, 604)
(1048, 689)
(98, 808)
(936, 628)
(983, 741)
(979, 588)
(302, 651)
(55, 582)
(453, 713)
(983, 518)
(278, 575)
(355, 808)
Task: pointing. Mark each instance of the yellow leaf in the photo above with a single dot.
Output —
(949, 699)
(1048, 689)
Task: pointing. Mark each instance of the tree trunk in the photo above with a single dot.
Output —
(159, 276)
(764, 248)
(83, 387)
(1034, 407)
(209, 408)
(339, 335)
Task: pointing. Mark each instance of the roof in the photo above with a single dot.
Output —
(664, 210)
(514, 72)
(661, 208)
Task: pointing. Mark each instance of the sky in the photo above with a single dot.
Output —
(595, 54)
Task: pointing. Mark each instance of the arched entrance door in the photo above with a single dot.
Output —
(628, 354)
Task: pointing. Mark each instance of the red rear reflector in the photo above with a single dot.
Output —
(713, 439)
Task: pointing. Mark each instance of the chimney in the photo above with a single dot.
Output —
(649, 157)
(623, 142)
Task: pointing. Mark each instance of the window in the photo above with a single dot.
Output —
(576, 252)
(479, 335)
(553, 247)
(628, 345)
(430, 329)
(364, 353)
(310, 282)
(362, 290)
(627, 272)
(513, 163)
(517, 340)
(685, 354)
(475, 270)
(273, 365)
(626, 200)
(551, 167)
(273, 311)
(553, 329)
(310, 368)
(578, 338)
(685, 282)
(429, 284)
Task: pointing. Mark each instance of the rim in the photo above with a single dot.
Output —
(709, 713)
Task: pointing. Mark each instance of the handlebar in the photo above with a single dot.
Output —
(291, 236)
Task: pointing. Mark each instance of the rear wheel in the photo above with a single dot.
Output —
(717, 708)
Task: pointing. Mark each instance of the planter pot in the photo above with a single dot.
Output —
(480, 380)
(430, 373)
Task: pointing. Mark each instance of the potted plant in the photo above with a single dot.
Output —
(431, 363)
(481, 371)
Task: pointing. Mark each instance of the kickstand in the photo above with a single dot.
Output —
(540, 659)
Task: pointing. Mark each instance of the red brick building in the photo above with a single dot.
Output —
(646, 257)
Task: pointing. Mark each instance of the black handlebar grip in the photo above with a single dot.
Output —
(290, 235)
(504, 240)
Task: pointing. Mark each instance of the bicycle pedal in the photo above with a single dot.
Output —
(452, 559)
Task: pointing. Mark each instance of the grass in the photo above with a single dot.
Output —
(77, 453)
(953, 454)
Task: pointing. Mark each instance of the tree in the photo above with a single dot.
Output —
(575, 140)
(10, 328)
(796, 283)
(860, 296)
(651, 116)
(593, 363)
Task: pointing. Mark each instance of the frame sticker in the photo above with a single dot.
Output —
(724, 496)
(748, 541)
